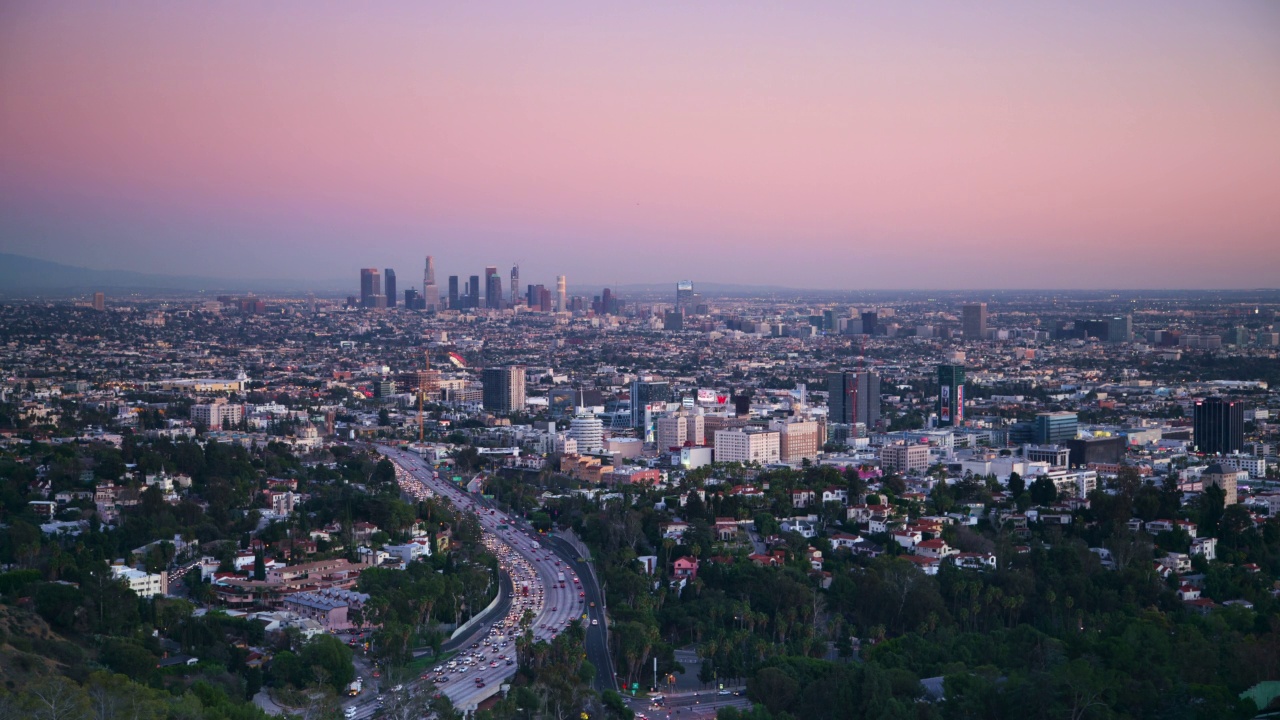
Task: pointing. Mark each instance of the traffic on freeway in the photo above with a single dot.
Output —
(543, 585)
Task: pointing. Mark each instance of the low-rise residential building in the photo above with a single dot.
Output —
(143, 583)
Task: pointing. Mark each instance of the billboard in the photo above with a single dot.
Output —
(706, 397)
(944, 408)
(959, 404)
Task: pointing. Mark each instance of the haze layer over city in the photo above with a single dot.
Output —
(404, 361)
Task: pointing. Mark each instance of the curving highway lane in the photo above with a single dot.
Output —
(536, 575)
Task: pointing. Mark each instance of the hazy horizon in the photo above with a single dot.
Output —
(824, 146)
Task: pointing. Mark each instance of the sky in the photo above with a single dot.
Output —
(833, 145)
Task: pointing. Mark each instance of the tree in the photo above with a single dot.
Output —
(332, 658)
(1043, 491)
(57, 698)
(1016, 484)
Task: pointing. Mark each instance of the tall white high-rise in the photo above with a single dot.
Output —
(561, 301)
(430, 291)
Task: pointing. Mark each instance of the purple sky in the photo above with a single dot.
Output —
(827, 145)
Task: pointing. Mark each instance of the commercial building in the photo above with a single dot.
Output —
(799, 441)
(562, 289)
(431, 291)
(1096, 450)
(1218, 426)
(217, 414)
(1054, 428)
(1057, 456)
(975, 321)
(643, 393)
(370, 288)
(1120, 329)
(504, 389)
(950, 395)
(748, 446)
(1217, 475)
(853, 397)
(678, 431)
(99, 301)
(684, 296)
(455, 297)
(588, 432)
(905, 458)
(389, 286)
(492, 288)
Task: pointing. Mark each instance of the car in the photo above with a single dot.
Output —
(583, 594)
(595, 621)
(725, 691)
(593, 604)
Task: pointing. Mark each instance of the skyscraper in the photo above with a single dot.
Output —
(870, 322)
(853, 397)
(370, 285)
(453, 293)
(473, 291)
(431, 291)
(643, 393)
(493, 291)
(390, 287)
(684, 296)
(562, 303)
(504, 389)
(975, 321)
(99, 301)
(515, 285)
(950, 395)
(1218, 425)
(1120, 329)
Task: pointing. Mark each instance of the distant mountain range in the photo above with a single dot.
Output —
(25, 276)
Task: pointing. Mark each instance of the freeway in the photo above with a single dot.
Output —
(535, 574)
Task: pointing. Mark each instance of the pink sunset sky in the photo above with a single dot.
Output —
(817, 144)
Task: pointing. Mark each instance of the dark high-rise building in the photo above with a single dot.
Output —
(504, 389)
(544, 299)
(853, 397)
(390, 284)
(1120, 329)
(870, 323)
(684, 295)
(370, 285)
(673, 320)
(1218, 425)
(493, 291)
(473, 292)
(515, 285)
(414, 301)
(950, 395)
(643, 393)
(606, 302)
(453, 293)
(975, 321)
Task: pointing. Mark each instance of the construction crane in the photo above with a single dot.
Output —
(426, 382)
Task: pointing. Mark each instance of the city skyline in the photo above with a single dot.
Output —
(823, 147)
